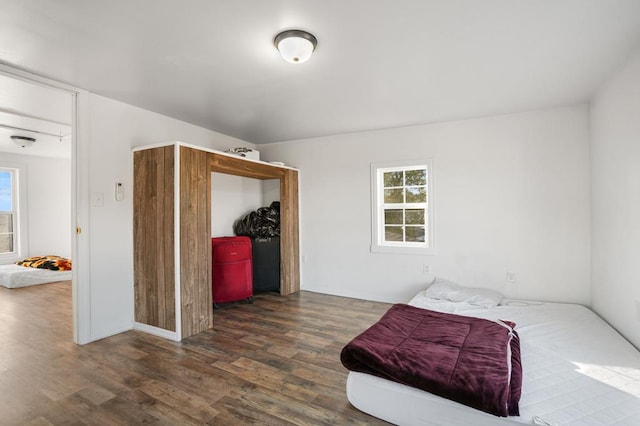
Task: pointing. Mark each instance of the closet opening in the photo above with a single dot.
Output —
(173, 220)
(244, 212)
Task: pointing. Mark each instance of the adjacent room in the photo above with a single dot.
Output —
(35, 184)
(452, 189)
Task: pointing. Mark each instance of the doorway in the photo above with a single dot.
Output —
(46, 114)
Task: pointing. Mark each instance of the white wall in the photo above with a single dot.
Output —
(615, 181)
(231, 198)
(234, 196)
(48, 203)
(270, 191)
(115, 128)
(511, 194)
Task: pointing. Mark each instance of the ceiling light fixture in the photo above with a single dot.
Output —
(295, 46)
(23, 141)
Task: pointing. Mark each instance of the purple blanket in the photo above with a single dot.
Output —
(469, 360)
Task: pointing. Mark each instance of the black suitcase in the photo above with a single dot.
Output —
(266, 264)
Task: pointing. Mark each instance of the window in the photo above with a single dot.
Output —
(402, 207)
(7, 211)
(10, 211)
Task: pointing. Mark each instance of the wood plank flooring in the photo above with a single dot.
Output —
(273, 362)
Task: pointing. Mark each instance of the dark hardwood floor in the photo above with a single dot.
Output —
(273, 362)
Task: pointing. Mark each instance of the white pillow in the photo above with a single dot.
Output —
(446, 290)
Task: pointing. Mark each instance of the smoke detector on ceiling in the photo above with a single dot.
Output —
(23, 141)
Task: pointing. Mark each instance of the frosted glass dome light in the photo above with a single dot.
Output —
(22, 141)
(295, 46)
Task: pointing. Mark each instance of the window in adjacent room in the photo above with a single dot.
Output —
(402, 194)
(9, 214)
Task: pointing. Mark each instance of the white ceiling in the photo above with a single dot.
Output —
(379, 63)
(33, 110)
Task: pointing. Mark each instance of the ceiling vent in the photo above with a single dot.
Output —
(23, 141)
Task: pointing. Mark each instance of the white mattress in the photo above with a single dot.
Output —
(577, 370)
(14, 276)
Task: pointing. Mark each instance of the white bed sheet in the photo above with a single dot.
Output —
(577, 371)
(15, 276)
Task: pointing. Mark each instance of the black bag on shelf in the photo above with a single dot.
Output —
(264, 222)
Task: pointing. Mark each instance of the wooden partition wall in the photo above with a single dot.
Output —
(156, 252)
(153, 238)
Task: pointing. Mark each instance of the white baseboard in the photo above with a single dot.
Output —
(156, 331)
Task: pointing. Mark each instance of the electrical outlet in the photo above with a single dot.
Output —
(426, 268)
(511, 277)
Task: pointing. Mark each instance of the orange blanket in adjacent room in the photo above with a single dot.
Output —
(53, 263)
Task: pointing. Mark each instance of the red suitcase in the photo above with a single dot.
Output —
(232, 269)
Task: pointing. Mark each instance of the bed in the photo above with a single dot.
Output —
(577, 370)
(16, 276)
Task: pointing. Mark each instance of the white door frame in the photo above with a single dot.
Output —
(81, 284)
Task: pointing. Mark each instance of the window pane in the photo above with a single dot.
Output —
(393, 196)
(392, 179)
(393, 217)
(416, 177)
(393, 233)
(6, 243)
(416, 195)
(6, 223)
(415, 217)
(402, 201)
(415, 234)
(6, 198)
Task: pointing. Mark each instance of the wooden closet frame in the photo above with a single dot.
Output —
(165, 207)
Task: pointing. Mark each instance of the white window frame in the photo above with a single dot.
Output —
(378, 245)
(19, 191)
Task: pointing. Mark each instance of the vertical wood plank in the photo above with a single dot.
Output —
(141, 208)
(168, 210)
(204, 311)
(195, 241)
(206, 296)
(153, 236)
(187, 242)
(289, 234)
